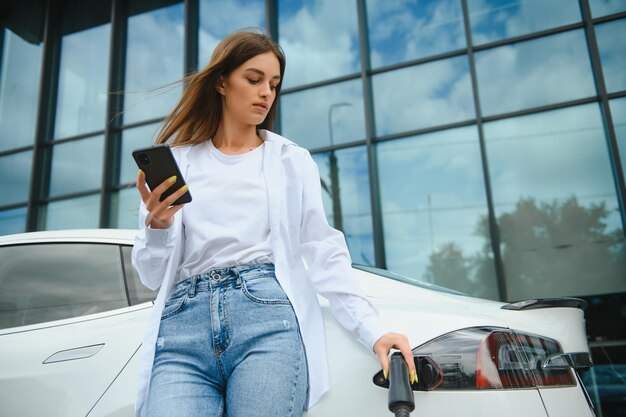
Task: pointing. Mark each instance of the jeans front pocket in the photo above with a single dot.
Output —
(264, 289)
(175, 303)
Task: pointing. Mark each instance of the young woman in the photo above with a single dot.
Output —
(236, 326)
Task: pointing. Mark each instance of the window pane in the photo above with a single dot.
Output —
(435, 224)
(401, 31)
(138, 137)
(76, 166)
(219, 19)
(19, 91)
(618, 113)
(76, 213)
(493, 20)
(422, 96)
(612, 45)
(604, 7)
(324, 116)
(13, 221)
(40, 283)
(125, 209)
(554, 197)
(320, 39)
(347, 199)
(15, 174)
(154, 58)
(534, 73)
(137, 292)
(83, 72)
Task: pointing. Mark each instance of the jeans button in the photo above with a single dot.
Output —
(215, 276)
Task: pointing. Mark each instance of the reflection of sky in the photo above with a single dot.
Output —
(305, 115)
(12, 221)
(421, 96)
(618, 113)
(154, 58)
(604, 7)
(320, 39)
(551, 156)
(432, 193)
(138, 137)
(493, 20)
(534, 73)
(611, 38)
(15, 174)
(220, 18)
(77, 166)
(76, 213)
(83, 74)
(127, 201)
(355, 200)
(19, 91)
(404, 30)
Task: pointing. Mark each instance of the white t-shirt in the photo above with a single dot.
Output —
(227, 221)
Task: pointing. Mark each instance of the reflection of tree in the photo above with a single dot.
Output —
(557, 248)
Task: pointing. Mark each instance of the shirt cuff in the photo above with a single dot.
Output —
(372, 330)
(156, 237)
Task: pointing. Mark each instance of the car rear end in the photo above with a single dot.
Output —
(520, 359)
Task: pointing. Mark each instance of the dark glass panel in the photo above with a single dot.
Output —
(612, 44)
(15, 173)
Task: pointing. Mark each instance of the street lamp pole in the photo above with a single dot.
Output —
(334, 170)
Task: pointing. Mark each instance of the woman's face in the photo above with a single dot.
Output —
(250, 90)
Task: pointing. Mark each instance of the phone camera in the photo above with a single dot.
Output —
(143, 159)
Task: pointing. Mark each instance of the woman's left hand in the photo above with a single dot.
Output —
(383, 346)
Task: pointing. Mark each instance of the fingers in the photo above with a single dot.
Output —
(161, 212)
(399, 341)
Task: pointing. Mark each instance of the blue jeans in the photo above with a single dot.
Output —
(229, 344)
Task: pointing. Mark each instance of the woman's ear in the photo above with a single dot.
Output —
(219, 86)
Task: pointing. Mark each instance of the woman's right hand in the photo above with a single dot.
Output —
(160, 213)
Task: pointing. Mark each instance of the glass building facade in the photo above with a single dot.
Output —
(474, 144)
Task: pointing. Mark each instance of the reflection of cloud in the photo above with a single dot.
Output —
(305, 115)
(551, 156)
(15, 174)
(219, 18)
(77, 166)
(76, 213)
(425, 95)
(618, 113)
(81, 105)
(492, 20)
(19, 92)
(12, 221)
(154, 58)
(534, 73)
(604, 7)
(432, 193)
(320, 40)
(410, 29)
(612, 44)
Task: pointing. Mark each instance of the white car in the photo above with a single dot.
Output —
(73, 312)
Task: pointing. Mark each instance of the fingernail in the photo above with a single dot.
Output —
(414, 377)
(140, 172)
(385, 374)
(184, 187)
(172, 179)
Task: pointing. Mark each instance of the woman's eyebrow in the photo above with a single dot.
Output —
(258, 71)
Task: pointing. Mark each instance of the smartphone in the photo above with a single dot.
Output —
(158, 164)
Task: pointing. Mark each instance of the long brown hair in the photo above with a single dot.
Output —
(198, 113)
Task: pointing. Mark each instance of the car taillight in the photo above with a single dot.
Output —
(494, 358)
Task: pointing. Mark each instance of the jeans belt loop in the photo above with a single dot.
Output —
(192, 287)
(235, 270)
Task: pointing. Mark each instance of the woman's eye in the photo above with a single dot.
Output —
(252, 81)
